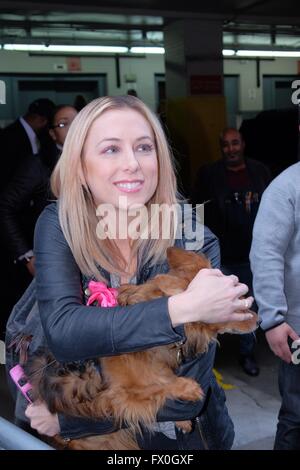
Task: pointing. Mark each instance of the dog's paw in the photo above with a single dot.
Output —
(241, 327)
(126, 294)
(187, 389)
(184, 426)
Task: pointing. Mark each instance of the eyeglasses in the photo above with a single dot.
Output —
(61, 125)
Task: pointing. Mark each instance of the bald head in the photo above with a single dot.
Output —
(232, 147)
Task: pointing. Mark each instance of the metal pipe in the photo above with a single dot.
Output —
(14, 438)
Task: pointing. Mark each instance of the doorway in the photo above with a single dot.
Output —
(62, 89)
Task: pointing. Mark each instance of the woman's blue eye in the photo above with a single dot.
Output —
(145, 148)
(111, 150)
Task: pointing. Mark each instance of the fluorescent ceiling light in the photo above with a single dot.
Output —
(23, 47)
(257, 53)
(250, 53)
(228, 52)
(147, 50)
(66, 48)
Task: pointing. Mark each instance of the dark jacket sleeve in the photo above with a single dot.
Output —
(201, 190)
(267, 176)
(211, 248)
(29, 179)
(15, 146)
(75, 331)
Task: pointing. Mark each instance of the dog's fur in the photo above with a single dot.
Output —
(132, 387)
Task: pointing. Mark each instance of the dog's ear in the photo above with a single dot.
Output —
(183, 259)
(177, 256)
(129, 294)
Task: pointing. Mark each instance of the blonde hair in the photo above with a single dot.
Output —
(77, 211)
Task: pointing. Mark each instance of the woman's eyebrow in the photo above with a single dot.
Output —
(110, 139)
(144, 137)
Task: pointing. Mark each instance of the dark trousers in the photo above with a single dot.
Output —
(288, 427)
(243, 272)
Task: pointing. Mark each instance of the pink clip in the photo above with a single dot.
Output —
(18, 376)
(105, 296)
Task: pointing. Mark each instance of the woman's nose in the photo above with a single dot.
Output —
(130, 161)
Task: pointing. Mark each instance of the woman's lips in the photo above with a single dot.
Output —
(129, 186)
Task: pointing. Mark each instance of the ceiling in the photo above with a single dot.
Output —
(257, 23)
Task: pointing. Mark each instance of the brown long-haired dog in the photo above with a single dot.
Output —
(132, 387)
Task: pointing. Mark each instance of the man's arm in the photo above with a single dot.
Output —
(273, 229)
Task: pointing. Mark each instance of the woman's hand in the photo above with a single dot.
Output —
(211, 297)
(42, 420)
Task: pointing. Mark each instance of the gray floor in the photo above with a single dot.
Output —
(253, 403)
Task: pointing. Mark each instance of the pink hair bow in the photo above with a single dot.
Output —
(105, 296)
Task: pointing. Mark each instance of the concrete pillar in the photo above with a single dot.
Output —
(193, 58)
(195, 106)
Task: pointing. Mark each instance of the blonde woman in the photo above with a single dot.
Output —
(116, 160)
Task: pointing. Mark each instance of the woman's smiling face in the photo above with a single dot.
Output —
(120, 159)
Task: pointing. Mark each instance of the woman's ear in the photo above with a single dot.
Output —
(82, 173)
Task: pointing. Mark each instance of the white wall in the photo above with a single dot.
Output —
(143, 68)
(250, 96)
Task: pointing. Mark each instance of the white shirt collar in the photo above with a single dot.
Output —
(34, 141)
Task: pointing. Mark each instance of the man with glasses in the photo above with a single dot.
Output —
(59, 127)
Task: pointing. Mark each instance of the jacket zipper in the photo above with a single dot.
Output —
(201, 433)
(179, 352)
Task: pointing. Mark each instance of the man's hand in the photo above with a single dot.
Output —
(30, 266)
(278, 341)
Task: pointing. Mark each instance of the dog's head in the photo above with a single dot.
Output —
(185, 263)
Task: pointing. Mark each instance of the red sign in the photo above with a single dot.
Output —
(206, 84)
(74, 64)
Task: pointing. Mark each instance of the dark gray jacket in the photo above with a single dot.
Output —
(77, 332)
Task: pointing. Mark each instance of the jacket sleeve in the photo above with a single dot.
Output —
(211, 248)
(75, 331)
(16, 196)
(268, 176)
(200, 191)
(273, 229)
(199, 238)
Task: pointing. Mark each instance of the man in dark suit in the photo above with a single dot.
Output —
(231, 189)
(25, 136)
